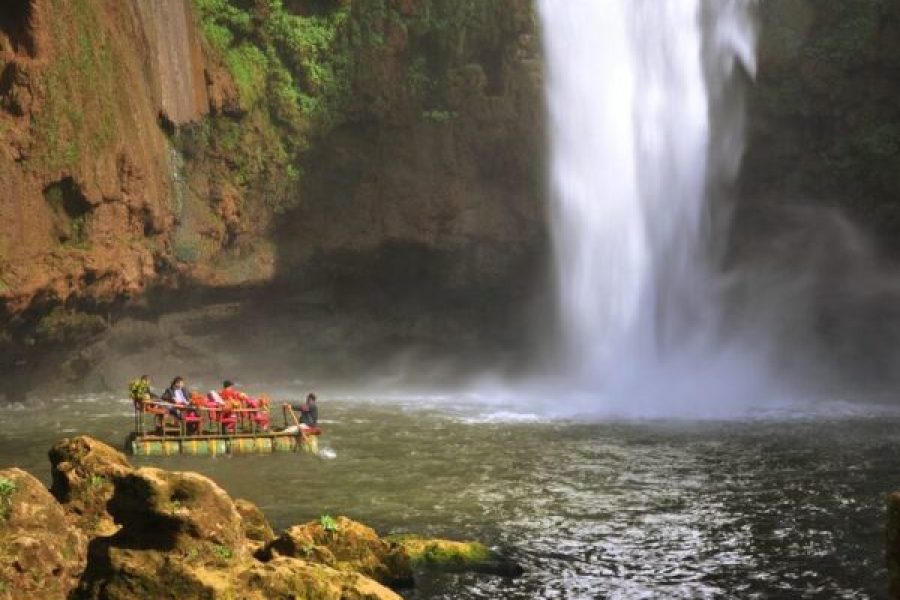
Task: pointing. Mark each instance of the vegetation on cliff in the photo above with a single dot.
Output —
(825, 124)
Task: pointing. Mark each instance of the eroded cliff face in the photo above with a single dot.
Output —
(379, 147)
(87, 195)
(376, 151)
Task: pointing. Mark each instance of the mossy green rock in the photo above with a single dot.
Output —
(346, 546)
(256, 526)
(82, 470)
(41, 552)
(450, 556)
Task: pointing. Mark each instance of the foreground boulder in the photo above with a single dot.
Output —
(183, 537)
(83, 470)
(110, 531)
(347, 546)
(291, 578)
(41, 553)
(452, 556)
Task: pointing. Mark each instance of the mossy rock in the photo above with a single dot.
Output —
(285, 577)
(182, 511)
(453, 556)
(41, 553)
(256, 526)
(82, 470)
(345, 545)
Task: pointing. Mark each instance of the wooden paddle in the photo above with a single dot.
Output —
(290, 410)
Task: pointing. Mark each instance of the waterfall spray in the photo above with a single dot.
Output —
(630, 86)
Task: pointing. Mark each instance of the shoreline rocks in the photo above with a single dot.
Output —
(109, 531)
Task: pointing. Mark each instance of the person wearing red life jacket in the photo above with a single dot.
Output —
(231, 395)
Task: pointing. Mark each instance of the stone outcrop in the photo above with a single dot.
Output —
(41, 553)
(344, 545)
(83, 471)
(451, 555)
(255, 525)
(152, 145)
(116, 532)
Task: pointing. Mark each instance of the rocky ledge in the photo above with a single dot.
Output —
(108, 530)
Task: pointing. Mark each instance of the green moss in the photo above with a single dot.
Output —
(222, 553)
(79, 113)
(445, 555)
(7, 489)
(291, 74)
(248, 65)
(329, 524)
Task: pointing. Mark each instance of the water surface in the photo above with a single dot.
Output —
(752, 509)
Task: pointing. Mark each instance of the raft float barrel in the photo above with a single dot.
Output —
(212, 445)
(293, 439)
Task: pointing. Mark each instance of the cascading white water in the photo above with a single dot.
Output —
(629, 86)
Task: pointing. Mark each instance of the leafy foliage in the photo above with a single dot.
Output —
(79, 112)
(291, 75)
(329, 524)
(7, 489)
(222, 553)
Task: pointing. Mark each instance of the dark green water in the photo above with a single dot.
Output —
(748, 509)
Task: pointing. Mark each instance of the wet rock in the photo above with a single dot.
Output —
(453, 556)
(162, 534)
(82, 469)
(347, 546)
(41, 553)
(182, 536)
(285, 577)
(255, 525)
(892, 553)
(166, 510)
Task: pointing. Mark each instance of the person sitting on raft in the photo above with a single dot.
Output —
(237, 399)
(309, 412)
(176, 395)
(140, 390)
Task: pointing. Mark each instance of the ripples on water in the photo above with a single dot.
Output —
(755, 509)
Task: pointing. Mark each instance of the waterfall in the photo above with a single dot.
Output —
(638, 133)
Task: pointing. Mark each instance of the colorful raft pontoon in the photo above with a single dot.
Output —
(206, 432)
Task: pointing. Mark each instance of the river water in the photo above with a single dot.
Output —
(762, 508)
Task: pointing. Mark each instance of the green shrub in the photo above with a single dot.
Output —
(329, 524)
(221, 552)
(7, 489)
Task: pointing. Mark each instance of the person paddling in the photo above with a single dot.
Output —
(309, 411)
(309, 414)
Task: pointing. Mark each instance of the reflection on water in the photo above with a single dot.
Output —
(624, 510)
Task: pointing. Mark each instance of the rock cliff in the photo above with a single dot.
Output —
(209, 144)
(386, 154)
